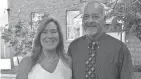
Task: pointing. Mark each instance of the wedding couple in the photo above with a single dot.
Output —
(95, 55)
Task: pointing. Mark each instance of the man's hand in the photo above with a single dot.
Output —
(67, 60)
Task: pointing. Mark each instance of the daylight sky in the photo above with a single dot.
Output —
(3, 12)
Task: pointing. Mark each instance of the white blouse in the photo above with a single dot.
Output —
(61, 72)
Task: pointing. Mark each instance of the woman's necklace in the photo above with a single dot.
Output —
(47, 59)
(53, 60)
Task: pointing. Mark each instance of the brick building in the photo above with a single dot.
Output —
(22, 9)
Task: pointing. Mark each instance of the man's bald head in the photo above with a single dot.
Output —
(95, 5)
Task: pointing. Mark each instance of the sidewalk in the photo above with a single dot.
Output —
(12, 71)
(7, 76)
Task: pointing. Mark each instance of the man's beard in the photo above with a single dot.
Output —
(92, 30)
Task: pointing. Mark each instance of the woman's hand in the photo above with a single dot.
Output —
(69, 60)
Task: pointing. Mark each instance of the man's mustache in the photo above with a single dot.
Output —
(90, 25)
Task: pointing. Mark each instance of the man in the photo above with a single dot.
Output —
(97, 55)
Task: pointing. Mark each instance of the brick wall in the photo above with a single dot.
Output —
(134, 45)
(21, 10)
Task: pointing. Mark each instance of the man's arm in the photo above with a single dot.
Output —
(125, 63)
(69, 53)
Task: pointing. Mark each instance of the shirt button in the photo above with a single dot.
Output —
(94, 51)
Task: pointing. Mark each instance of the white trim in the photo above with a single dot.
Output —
(117, 35)
(8, 76)
(5, 63)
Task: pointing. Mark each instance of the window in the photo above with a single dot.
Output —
(74, 24)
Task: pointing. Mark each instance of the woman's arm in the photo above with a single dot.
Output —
(24, 68)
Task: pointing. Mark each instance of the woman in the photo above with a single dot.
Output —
(48, 60)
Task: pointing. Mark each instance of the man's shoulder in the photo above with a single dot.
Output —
(114, 42)
(78, 40)
(113, 39)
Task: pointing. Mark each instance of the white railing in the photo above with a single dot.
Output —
(7, 76)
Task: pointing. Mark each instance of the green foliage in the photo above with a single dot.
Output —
(129, 11)
(137, 68)
(19, 37)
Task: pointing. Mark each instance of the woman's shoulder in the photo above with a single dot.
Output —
(26, 60)
(24, 68)
(25, 64)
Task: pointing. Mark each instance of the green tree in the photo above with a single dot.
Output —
(19, 37)
(128, 11)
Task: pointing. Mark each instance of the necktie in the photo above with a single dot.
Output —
(90, 63)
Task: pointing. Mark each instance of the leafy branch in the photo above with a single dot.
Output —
(19, 37)
(129, 12)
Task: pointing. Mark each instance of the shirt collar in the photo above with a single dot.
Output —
(98, 38)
